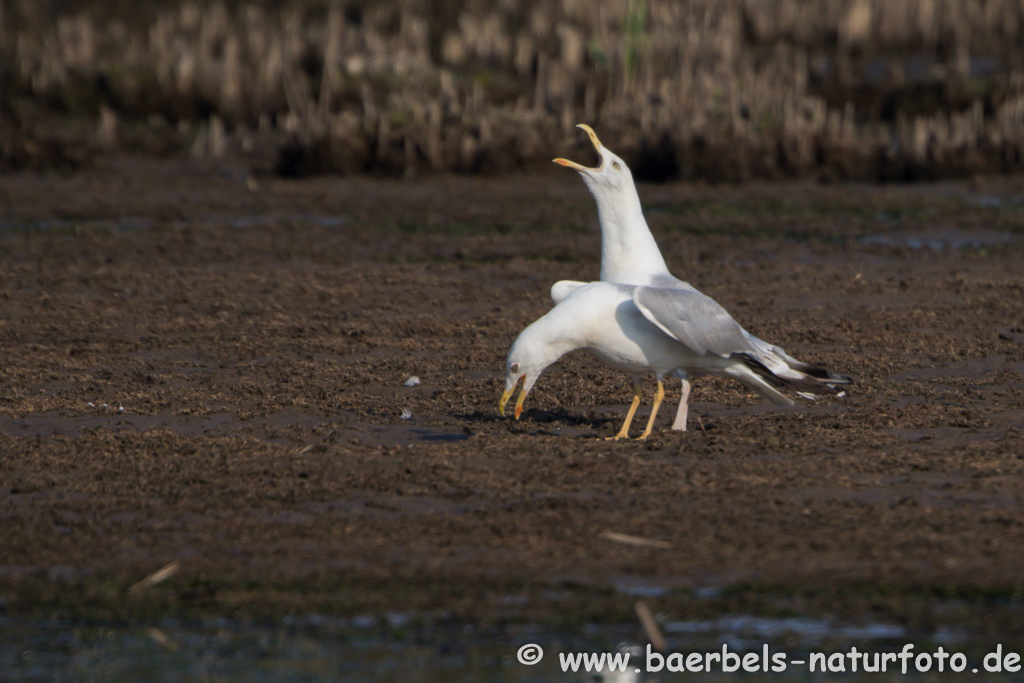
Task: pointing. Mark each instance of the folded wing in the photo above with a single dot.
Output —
(696, 320)
(700, 322)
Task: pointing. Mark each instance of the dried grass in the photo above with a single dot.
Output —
(719, 89)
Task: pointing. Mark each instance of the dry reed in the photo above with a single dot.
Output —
(718, 89)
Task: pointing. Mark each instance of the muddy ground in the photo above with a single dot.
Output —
(205, 368)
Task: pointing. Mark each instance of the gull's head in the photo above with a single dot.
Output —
(526, 361)
(610, 177)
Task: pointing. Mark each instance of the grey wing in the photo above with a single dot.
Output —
(671, 282)
(696, 320)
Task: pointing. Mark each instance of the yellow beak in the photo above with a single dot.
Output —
(593, 136)
(594, 141)
(506, 395)
(571, 164)
(519, 403)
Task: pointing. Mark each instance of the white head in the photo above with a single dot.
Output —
(537, 347)
(627, 247)
(611, 179)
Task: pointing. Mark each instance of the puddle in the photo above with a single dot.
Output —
(270, 219)
(115, 418)
(937, 241)
(60, 225)
(992, 202)
(642, 587)
(403, 648)
(430, 435)
(741, 628)
(132, 224)
(313, 648)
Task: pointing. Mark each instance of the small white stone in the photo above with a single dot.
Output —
(413, 381)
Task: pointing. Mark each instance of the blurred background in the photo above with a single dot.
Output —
(722, 90)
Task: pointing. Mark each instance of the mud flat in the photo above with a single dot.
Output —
(211, 372)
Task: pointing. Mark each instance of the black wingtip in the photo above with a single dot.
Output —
(816, 380)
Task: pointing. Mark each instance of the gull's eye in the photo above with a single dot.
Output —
(616, 166)
(515, 367)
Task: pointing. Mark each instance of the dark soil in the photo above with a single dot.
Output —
(205, 369)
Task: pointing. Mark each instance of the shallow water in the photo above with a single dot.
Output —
(400, 648)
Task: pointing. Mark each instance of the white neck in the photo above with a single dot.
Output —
(628, 249)
(546, 340)
(557, 335)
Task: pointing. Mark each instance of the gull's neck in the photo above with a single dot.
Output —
(551, 337)
(558, 334)
(629, 254)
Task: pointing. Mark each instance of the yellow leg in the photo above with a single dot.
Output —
(624, 432)
(658, 396)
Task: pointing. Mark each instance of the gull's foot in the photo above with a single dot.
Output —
(616, 437)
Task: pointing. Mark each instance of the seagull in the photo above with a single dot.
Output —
(630, 256)
(653, 329)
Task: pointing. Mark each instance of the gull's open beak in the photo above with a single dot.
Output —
(593, 136)
(597, 145)
(505, 396)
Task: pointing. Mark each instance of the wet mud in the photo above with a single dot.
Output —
(203, 368)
